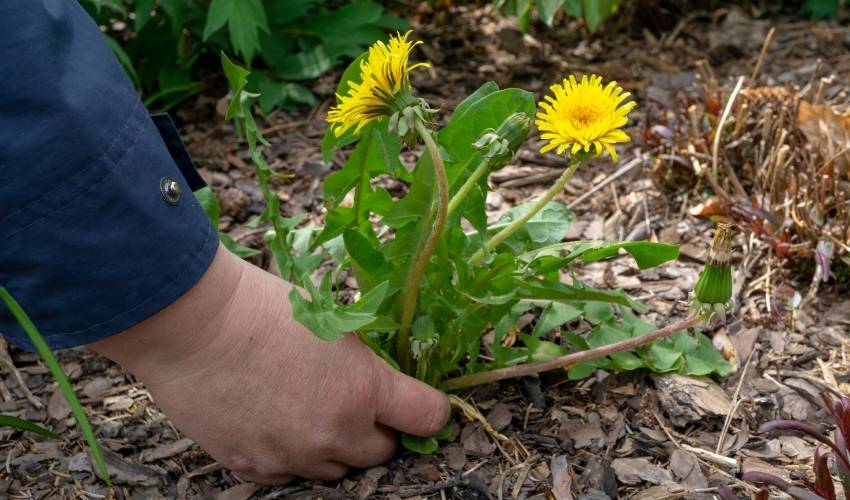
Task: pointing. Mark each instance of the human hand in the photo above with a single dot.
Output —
(264, 396)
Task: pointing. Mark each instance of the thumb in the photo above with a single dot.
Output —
(411, 406)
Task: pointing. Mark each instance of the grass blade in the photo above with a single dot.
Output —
(26, 425)
(57, 372)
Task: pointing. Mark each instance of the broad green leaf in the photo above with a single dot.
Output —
(481, 92)
(663, 356)
(604, 334)
(26, 425)
(547, 9)
(240, 251)
(423, 446)
(209, 203)
(598, 312)
(486, 108)
(597, 11)
(626, 361)
(331, 323)
(369, 265)
(61, 379)
(647, 254)
(706, 359)
(584, 370)
(143, 10)
(377, 153)
(684, 342)
(275, 94)
(532, 289)
(340, 22)
(574, 7)
(542, 350)
(418, 200)
(427, 445)
(305, 65)
(282, 12)
(237, 77)
(546, 227)
(820, 9)
(244, 19)
(554, 315)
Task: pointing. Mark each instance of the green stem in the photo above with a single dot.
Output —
(569, 359)
(410, 294)
(515, 226)
(464, 190)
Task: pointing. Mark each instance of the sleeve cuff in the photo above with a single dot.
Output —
(110, 246)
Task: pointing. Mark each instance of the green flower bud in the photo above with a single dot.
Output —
(402, 122)
(712, 295)
(504, 142)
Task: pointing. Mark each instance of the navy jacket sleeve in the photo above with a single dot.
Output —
(99, 229)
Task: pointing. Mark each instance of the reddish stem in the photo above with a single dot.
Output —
(567, 360)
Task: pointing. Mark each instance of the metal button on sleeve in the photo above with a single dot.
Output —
(170, 190)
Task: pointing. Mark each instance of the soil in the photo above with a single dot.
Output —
(613, 435)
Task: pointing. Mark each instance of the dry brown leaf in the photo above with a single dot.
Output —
(826, 129)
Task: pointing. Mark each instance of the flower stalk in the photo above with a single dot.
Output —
(516, 225)
(471, 181)
(410, 294)
(487, 377)
(498, 148)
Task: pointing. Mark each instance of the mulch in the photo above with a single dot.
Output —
(630, 435)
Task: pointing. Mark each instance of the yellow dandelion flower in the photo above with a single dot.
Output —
(384, 86)
(584, 116)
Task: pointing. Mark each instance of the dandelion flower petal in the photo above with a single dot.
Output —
(384, 76)
(584, 116)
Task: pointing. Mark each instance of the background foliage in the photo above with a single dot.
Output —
(162, 43)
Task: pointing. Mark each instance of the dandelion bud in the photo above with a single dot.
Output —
(403, 122)
(712, 295)
(504, 142)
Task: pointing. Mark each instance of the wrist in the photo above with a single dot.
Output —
(191, 324)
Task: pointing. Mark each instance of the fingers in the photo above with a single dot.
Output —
(411, 406)
(372, 448)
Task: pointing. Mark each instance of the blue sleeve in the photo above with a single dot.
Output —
(99, 229)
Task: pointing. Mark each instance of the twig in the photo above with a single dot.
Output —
(6, 362)
(569, 359)
(628, 167)
(735, 396)
(715, 149)
(763, 52)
